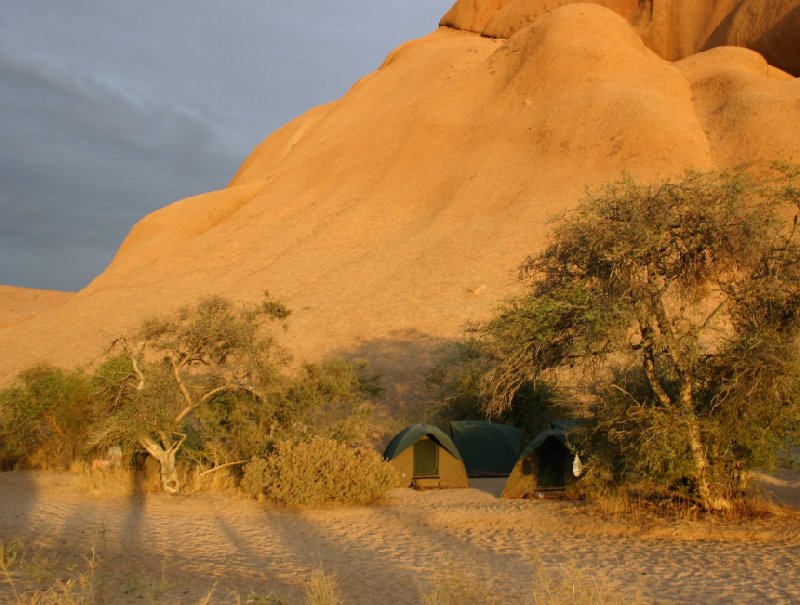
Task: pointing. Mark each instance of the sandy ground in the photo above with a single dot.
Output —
(174, 549)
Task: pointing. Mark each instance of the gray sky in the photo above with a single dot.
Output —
(113, 109)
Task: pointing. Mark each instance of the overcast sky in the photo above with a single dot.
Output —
(112, 109)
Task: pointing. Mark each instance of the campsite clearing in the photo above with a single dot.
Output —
(174, 549)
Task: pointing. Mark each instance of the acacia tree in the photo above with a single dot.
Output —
(151, 391)
(678, 305)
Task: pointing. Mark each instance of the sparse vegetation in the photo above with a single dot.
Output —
(203, 391)
(21, 569)
(571, 584)
(86, 584)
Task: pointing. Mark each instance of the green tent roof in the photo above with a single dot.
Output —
(486, 447)
(539, 440)
(409, 436)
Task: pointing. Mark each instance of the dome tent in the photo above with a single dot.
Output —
(488, 449)
(546, 465)
(426, 457)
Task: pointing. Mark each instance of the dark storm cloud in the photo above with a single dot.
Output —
(111, 110)
(82, 161)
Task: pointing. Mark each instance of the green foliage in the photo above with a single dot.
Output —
(459, 391)
(123, 411)
(456, 382)
(675, 308)
(333, 399)
(319, 471)
(43, 418)
(209, 375)
(631, 439)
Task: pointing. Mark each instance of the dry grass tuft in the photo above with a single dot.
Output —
(37, 581)
(196, 480)
(454, 586)
(578, 586)
(635, 508)
(22, 571)
(322, 589)
(572, 584)
(118, 481)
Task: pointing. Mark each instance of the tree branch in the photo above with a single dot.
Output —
(229, 387)
(650, 366)
(152, 447)
(184, 391)
(216, 468)
(176, 446)
(129, 352)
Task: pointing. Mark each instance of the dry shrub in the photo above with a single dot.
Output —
(322, 589)
(754, 506)
(319, 471)
(44, 414)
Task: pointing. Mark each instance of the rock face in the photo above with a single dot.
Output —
(389, 218)
(672, 28)
(21, 304)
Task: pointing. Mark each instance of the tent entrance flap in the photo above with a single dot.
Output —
(426, 458)
(552, 458)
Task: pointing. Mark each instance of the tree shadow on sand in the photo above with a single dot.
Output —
(20, 493)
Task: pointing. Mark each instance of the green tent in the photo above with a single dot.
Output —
(546, 465)
(425, 457)
(488, 449)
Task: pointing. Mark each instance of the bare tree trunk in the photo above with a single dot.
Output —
(708, 500)
(165, 454)
(686, 402)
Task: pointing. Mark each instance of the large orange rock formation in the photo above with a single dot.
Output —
(390, 217)
(672, 28)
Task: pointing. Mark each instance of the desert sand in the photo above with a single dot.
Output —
(389, 218)
(168, 549)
